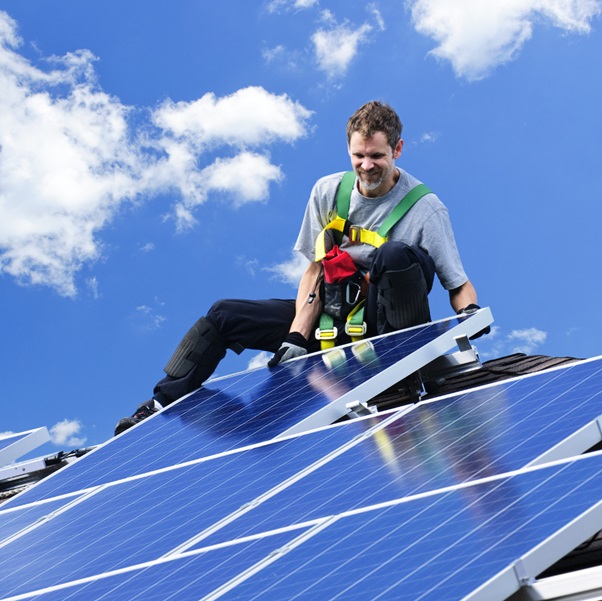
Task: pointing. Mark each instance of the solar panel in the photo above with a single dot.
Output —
(364, 462)
(187, 577)
(482, 540)
(140, 519)
(14, 446)
(15, 520)
(488, 431)
(258, 405)
(443, 499)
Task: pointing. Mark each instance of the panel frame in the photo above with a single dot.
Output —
(577, 443)
(396, 372)
(24, 443)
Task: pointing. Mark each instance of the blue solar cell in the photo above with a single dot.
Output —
(238, 410)
(439, 547)
(14, 521)
(444, 443)
(142, 519)
(184, 579)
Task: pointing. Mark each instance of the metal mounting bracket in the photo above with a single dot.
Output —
(357, 409)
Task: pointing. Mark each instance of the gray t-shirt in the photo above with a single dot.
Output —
(425, 225)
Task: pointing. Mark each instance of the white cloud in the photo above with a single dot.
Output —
(476, 36)
(64, 433)
(148, 318)
(336, 46)
(273, 54)
(71, 156)
(92, 284)
(251, 116)
(288, 5)
(380, 22)
(426, 138)
(249, 265)
(147, 247)
(498, 344)
(526, 341)
(254, 173)
(259, 360)
(65, 165)
(290, 60)
(290, 272)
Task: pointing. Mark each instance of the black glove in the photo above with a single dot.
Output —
(469, 310)
(294, 345)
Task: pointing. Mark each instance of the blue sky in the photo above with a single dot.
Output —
(156, 156)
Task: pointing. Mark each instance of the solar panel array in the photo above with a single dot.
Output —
(446, 499)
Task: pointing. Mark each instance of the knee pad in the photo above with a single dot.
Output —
(402, 299)
(201, 347)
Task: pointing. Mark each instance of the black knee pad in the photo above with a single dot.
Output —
(201, 347)
(402, 299)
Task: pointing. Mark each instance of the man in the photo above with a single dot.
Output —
(398, 272)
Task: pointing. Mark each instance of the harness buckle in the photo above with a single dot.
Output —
(329, 334)
(355, 234)
(355, 330)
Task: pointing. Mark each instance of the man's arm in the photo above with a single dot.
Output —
(307, 313)
(463, 296)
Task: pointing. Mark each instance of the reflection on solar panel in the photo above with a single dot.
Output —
(441, 500)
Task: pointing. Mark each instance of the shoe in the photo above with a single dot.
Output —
(145, 410)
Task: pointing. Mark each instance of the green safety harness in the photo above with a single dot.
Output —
(355, 326)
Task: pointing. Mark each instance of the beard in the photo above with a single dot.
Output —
(381, 177)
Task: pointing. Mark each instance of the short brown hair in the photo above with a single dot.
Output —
(372, 117)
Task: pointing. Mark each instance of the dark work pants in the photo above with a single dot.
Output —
(393, 256)
(263, 324)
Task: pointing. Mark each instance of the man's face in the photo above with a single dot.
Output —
(373, 161)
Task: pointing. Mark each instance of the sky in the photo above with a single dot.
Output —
(157, 156)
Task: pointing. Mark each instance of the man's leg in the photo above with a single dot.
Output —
(234, 324)
(401, 277)
(231, 323)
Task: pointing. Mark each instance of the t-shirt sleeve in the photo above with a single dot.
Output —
(439, 241)
(318, 213)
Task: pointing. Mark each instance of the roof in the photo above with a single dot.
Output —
(489, 372)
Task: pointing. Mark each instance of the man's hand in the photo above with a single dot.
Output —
(472, 308)
(294, 345)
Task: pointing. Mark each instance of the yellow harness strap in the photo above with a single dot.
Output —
(359, 235)
(338, 225)
(355, 327)
(327, 332)
(356, 235)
